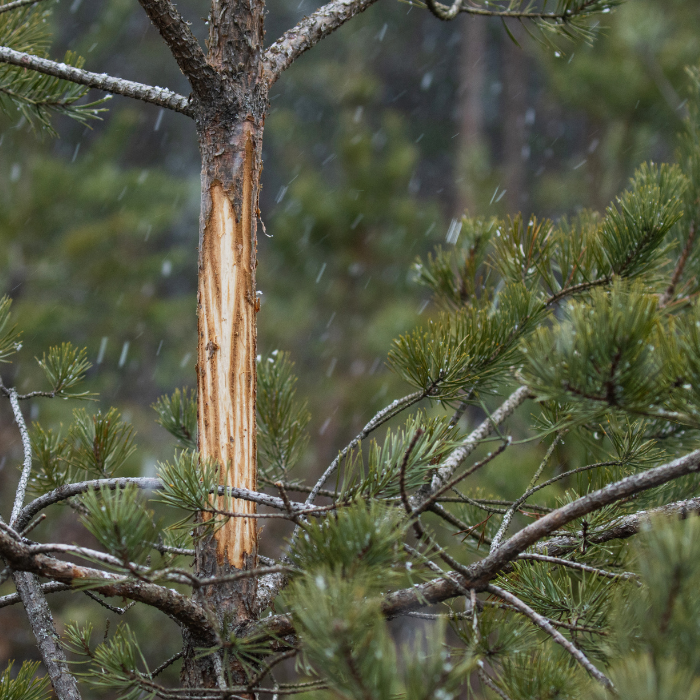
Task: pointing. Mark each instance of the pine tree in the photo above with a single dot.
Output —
(587, 327)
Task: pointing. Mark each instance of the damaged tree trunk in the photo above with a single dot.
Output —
(230, 127)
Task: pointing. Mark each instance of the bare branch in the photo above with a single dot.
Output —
(624, 527)
(183, 45)
(508, 517)
(543, 624)
(99, 81)
(62, 493)
(167, 600)
(305, 35)
(51, 587)
(452, 463)
(575, 565)
(636, 483)
(47, 638)
(27, 462)
(8, 7)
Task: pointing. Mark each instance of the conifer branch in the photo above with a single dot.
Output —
(629, 486)
(99, 81)
(307, 33)
(544, 624)
(184, 46)
(387, 413)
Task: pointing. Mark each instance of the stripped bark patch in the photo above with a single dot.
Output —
(227, 347)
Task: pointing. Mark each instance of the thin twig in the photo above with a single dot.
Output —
(105, 604)
(575, 565)
(498, 537)
(667, 296)
(488, 681)
(544, 624)
(167, 663)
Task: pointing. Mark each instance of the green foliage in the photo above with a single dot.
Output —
(602, 355)
(282, 420)
(51, 453)
(363, 538)
(459, 275)
(422, 444)
(35, 96)
(178, 415)
(188, 482)
(102, 442)
(655, 632)
(9, 338)
(119, 521)
(541, 675)
(634, 229)
(64, 367)
(23, 686)
(473, 347)
(113, 664)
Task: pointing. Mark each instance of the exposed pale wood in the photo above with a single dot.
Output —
(226, 355)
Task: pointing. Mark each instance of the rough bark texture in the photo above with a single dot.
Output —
(41, 620)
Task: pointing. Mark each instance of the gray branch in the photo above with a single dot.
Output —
(183, 45)
(62, 493)
(27, 462)
(47, 639)
(29, 589)
(9, 6)
(557, 636)
(99, 81)
(459, 454)
(305, 35)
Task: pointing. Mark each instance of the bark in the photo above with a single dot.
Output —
(515, 79)
(47, 639)
(473, 157)
(230, 128)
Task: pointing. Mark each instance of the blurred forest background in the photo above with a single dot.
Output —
(377, 142)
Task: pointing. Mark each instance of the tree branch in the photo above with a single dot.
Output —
(62, 493)
(305, 35)
(9, 6)
(172, 603)
(183, 45)
(27, 462)
(558, 637)
(99, 81)
(47, 639)
(452, 463)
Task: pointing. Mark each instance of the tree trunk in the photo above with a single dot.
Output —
(515, 88)
(473, 156)
(230, 129)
